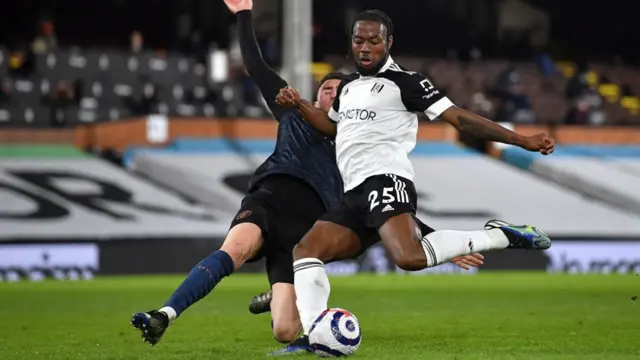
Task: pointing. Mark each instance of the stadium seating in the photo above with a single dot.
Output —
(546, 92)
(102, 86)
(74, 86)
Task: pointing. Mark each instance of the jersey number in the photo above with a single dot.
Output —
(386, 197)
(427, 85)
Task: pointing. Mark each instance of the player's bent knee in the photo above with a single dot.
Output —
(301, 251)
(327, 241)
(286, 332)
(402, 242)
(310, 246)
(408, 259)
(242, 243)
(409, 262)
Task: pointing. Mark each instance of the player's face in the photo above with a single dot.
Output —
(326, 94)
(369, 44)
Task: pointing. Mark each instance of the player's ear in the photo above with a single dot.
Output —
(389, 42)
(316, 104)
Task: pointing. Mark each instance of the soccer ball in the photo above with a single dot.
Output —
(336, 332)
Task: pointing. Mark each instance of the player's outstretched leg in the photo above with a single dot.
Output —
(415, 246)
(412, 253)
(198, 284)
(443, 245)
(242, 243)
(521, 236)
(261, 303)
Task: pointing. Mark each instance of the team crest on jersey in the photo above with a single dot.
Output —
(377, 87)
(243, 215)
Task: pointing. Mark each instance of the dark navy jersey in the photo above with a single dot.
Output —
(304, 153)
(301, 151)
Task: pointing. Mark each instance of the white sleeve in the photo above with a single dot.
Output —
(437, 108)
(334, 115)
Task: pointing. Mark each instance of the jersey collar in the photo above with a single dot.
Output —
(386, 65)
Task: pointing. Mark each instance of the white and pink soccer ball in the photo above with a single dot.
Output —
(336, 332)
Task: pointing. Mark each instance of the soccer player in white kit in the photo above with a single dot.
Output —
(375, 125)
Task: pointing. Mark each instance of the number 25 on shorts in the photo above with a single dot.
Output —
(387, 197)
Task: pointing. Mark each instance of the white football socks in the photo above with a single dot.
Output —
(312, 290)
(443, 245)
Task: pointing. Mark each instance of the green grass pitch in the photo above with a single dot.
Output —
(488, 316)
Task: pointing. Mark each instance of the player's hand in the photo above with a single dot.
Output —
(239, 5)
(288, 97)
(542, 143)
(468, 261)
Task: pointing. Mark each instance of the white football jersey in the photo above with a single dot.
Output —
(378, 124)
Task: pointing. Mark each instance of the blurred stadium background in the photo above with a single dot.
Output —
(129, 129)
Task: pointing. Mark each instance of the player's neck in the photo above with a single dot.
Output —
(370, 72)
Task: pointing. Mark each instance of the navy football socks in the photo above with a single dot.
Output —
(200, 281)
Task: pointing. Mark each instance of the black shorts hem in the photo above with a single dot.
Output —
(284, 208)
(279, 266)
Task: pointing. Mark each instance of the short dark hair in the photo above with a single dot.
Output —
(332, 76)
(377, 16)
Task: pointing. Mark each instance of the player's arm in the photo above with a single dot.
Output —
(467, 122)
(419, 94)
(318, 118)
(478, 126)
(265, 78)
(326, 123)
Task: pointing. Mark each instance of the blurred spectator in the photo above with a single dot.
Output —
(197, 48)
(21, 63)
(147, 103)
(481, 105)
(64, 94)
(506, 78)
(149, 99)
(585, 111)
(578, 114)
(546, 65)
(578, 85)
(137, 42)
(514, 105)
(626, 90)
(61, 97)
(246, 97)
(585, 104)
(5, 92)
(46, 40)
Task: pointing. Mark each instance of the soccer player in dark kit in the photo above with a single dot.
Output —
(288, 192)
